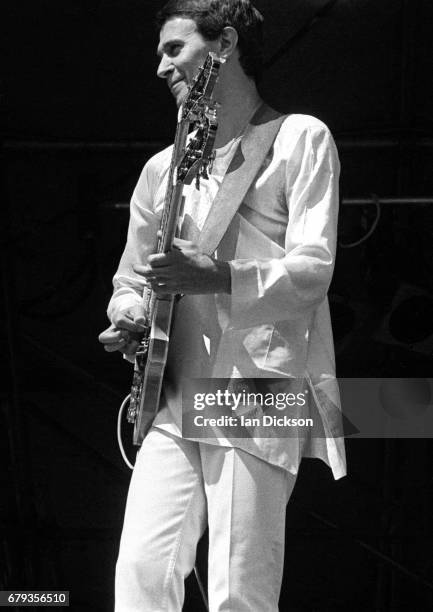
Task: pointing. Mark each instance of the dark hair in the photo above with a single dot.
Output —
(212, 16)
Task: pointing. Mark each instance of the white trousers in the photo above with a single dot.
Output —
(177, 487)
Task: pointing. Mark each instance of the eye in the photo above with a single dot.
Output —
(174, 49)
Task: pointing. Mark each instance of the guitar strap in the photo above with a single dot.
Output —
(246, 163)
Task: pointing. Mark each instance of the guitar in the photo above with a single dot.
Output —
(188, 161)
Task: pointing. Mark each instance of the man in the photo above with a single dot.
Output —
(255, 309)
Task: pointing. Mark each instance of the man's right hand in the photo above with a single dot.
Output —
(125, 332)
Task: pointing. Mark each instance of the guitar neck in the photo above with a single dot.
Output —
(173, 194)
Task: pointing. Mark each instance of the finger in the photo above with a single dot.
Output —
(110, 335)
(142, 269)
(147, 272)
(159, 260)
(180, 243)
(139, 316)
(123, 337)
(125, 321)
(160, 275)
(116, 346)
(117, 335)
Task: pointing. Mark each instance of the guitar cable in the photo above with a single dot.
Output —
(129, 464)
(119, 431)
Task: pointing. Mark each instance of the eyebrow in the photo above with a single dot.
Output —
(168, 43)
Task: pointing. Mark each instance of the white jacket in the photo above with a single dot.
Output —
(275, 324)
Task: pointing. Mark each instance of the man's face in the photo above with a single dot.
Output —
(182, 50)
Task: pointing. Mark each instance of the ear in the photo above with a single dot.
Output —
(228, 42)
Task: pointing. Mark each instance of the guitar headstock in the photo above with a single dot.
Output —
(201, 111)
(201, 89)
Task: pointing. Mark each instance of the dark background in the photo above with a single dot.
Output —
(82, 111)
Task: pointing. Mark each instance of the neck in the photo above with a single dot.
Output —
(238, 98)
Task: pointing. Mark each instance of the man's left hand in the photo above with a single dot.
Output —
(185, 270)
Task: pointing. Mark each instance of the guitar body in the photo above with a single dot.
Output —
(154, 368)
(189, 161)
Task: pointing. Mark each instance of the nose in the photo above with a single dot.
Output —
(165, 67)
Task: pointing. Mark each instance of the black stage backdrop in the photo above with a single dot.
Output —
(82, 111)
